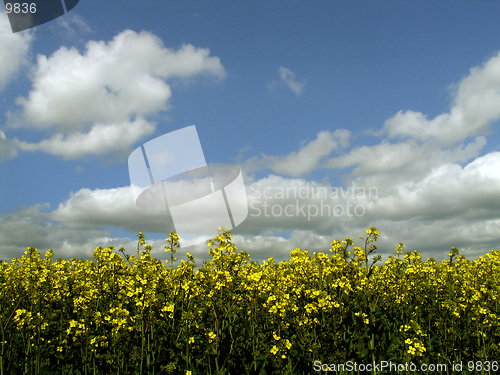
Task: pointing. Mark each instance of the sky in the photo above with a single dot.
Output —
(350, 113)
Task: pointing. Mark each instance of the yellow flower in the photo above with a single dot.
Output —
(211, 336)
(274, 350)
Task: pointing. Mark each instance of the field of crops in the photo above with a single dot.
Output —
(120, 314)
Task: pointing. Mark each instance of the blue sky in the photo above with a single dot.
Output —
(398, 95)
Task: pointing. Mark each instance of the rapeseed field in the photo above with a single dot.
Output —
(122, 314)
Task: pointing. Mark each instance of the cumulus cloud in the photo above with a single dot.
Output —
(77, 226)
(14, 50)
(98, 101)
(449, 206)
(471, 193)
(33, 228)
(306, 159)
(403, 160)
(100, 140)
(475, 106)
(460, 199)
(92, 209)
(456, 136)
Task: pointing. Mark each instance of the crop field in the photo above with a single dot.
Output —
(313, 313)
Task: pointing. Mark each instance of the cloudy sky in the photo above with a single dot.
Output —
(341, 116)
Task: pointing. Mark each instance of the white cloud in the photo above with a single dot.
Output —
(425, 144)
(32, 228)
(100, 140)
(403, 160)
(476, 105)
(91, 99)
(306, 159)
(92, 209)
(72, 24)
(14, 49)
(448, 191)
(8, 147)
(450, 206)
(288, 78)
